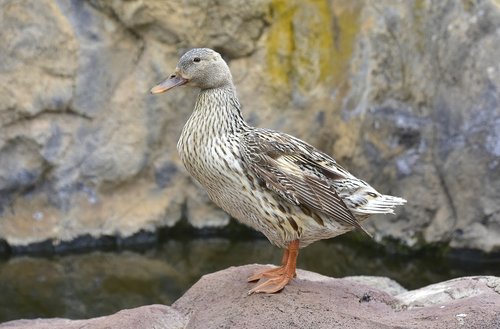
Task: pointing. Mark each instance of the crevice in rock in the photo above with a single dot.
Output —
(440, 78)
(56, 74)
(10, 195)
(447, 194)
(112, 15)
(68, 111)
(393, 36)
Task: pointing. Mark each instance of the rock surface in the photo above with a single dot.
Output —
(152, 316)
(220, 300)
(404, 94)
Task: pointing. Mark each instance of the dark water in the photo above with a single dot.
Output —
(98, 282)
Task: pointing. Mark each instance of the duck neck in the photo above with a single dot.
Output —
(219, 110)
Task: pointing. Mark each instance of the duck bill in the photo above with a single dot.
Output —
(173, 81)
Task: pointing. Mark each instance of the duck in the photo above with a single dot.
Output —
(279, 185)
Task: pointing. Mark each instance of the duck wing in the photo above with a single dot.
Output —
(298, 172)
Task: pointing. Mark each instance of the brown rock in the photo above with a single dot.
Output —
(151, 316)
(220, 300)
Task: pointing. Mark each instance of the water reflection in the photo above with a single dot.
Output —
(98, 283)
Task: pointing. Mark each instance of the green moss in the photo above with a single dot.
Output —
(346, 27)
(310, 42)
(468, 5)
(314, 44)
(418, 12)
(280, 43)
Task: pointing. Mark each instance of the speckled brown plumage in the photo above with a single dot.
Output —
(279, 185)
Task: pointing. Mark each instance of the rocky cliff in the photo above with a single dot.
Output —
(404, 94)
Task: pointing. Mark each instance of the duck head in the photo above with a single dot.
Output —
(200, 67)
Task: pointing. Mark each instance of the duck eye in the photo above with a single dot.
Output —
(196, 59)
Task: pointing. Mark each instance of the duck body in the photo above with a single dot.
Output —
(273, 182)
(218, 157)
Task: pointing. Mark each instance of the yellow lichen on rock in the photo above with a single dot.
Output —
(280, 42)
(310, 43)
(346, 26)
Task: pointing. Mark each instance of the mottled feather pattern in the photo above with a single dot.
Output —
(296, 170)
(271, 181)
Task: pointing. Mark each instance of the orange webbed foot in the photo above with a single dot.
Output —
(272, 285)
(271, 273)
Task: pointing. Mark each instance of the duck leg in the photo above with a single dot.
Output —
(280, 277)
(271, 272)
